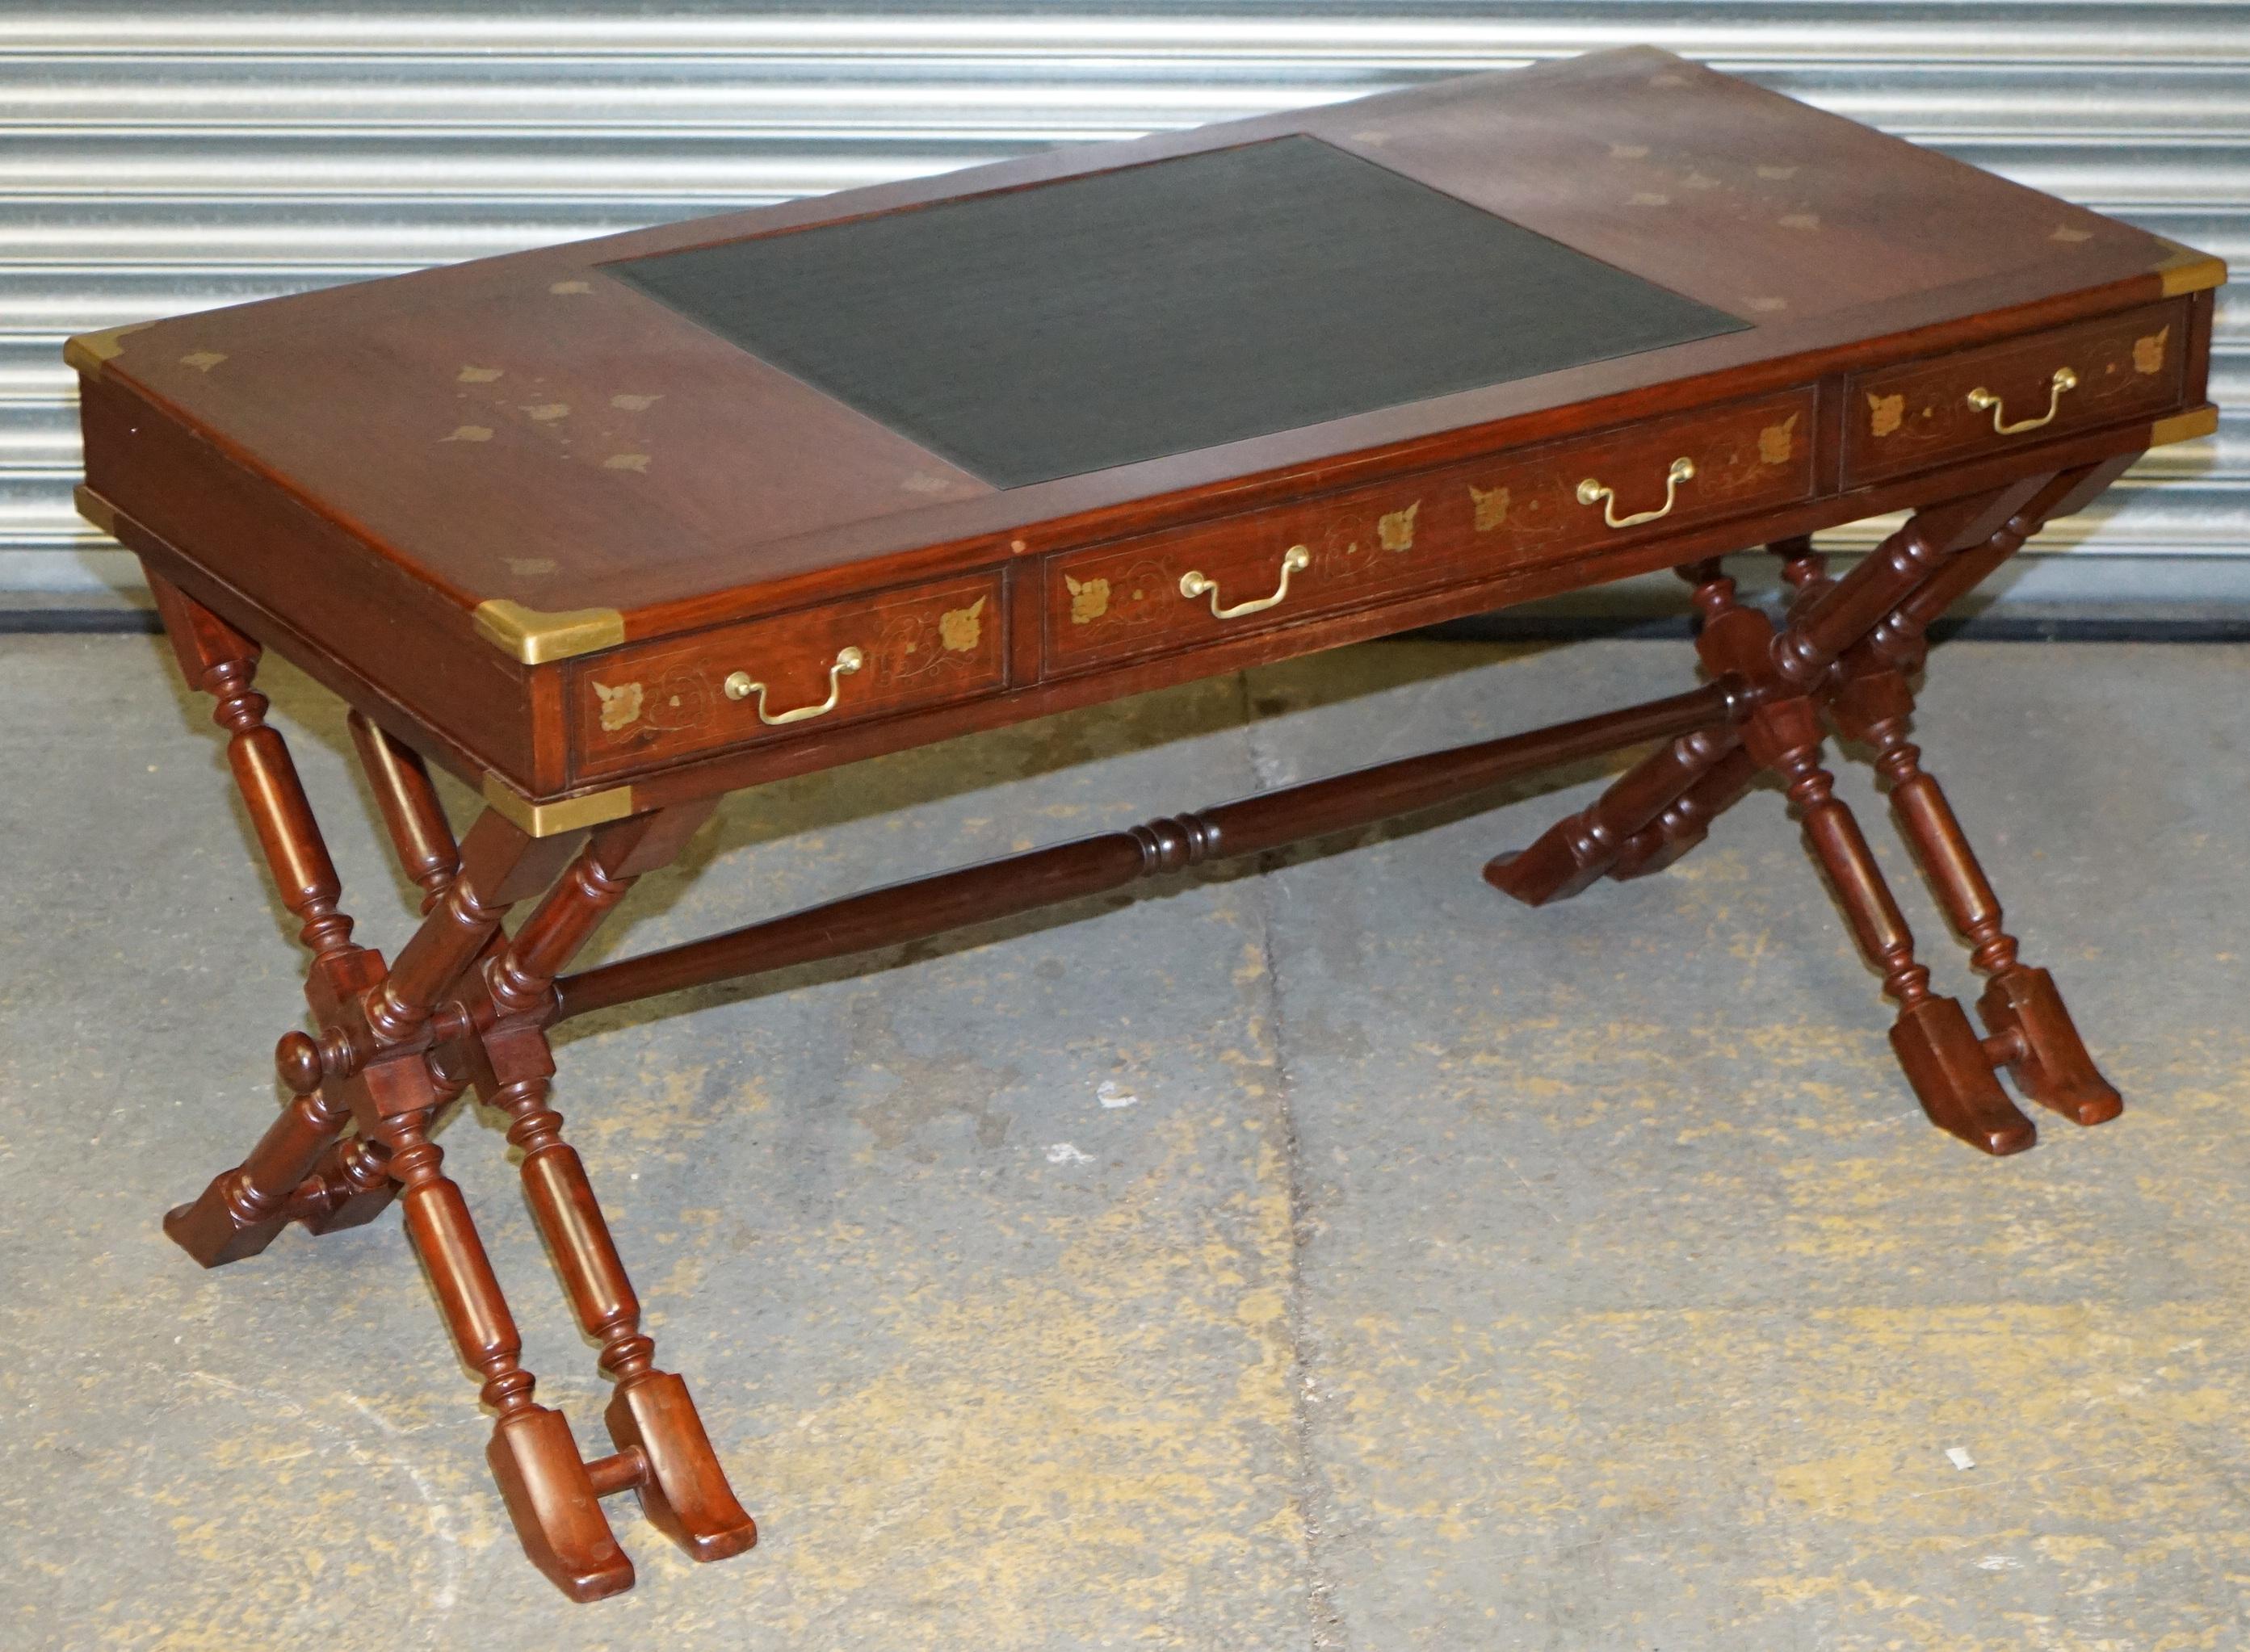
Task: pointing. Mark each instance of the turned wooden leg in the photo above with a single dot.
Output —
(1571, 855)
(551, 1499)
(1944, 1060)
(1628, 824)
(1687, 821)
(351, 1184)
(2032, 1032)
(662, 1449)
(240, 1211)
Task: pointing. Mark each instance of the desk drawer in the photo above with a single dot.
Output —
(1354, 548)
(799, 673)
(1903, 419)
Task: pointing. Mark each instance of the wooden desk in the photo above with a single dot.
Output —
(611, 529)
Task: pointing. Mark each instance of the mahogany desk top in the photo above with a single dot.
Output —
(532, 515)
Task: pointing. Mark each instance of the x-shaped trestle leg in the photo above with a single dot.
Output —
(462, 1004)
(1845, 653)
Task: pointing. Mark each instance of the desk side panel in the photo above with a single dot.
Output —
(406, 653)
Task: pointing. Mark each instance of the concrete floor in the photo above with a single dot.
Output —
(1337, 1258)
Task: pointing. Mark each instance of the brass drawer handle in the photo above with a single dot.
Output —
(1592, 492)
(1980, 398)
(1193, 584)
(739, 686)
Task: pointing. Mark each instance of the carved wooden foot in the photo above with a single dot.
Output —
(555, 1505)
(242, 1211)
(684, 1493)
(1952, 1078)
(2033, 1037)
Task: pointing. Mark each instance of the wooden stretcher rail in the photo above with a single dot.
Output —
(1039, 877)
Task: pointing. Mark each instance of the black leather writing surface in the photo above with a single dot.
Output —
(1162, 308)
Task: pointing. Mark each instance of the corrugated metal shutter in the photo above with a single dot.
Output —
(161, 159)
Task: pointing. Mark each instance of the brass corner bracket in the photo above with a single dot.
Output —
(536, 637)
(2184, 427)
(565, 815)
(87, 352)
(2188, 271)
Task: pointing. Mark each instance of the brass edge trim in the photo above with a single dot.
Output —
(2184, 427)
(569, 814)
(96, 509)
(88, 351)
(536, 637)
(2188, 271)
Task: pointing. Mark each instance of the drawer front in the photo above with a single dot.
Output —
(769, 679)
(1903, 419)
(1359, 547)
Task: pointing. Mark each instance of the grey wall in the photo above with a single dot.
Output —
(158, 159)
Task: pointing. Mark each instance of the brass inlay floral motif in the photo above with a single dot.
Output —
(1491, 505)
(682, 699)
(620, 706)
(546, 411)
(2067, 233)
(571, 286)
(638, 462)
(1396, 528)
(477, 375)
(1885, 413)
(1777, 442)
(1089, 599)
(635, 404)
(2149, 353)
(469, 433)
(960, 628)
(201, 360)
